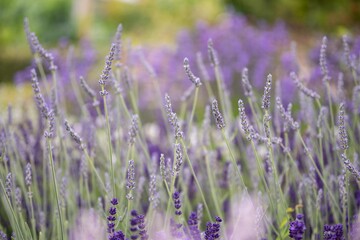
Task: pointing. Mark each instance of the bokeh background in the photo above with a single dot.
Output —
(153, 23)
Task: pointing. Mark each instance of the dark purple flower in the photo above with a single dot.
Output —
(114, 201)
(112, 218)
(193, 226)
(297, 228)
(119, 235)
(177, 202)
(334, 232)
(137, 226)
(213, 229)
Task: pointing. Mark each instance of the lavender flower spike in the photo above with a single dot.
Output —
(106, 72)
(28, 174)
(333, 232)
(130, 180)
(342, 130)
(212, 53)
(134, 129)
(9, 184)
(220, 123)
(266, 97)
(243, 119)
(179, 158)
(74, 135)
(88, 90)
(189, 73)
(35, 44)
(245, 82)
(172, 118)
(297, 228)
(323, 62)
(302, 88)
(40, 102)
(350, 167)
(50, 133)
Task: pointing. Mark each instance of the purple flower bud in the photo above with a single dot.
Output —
(219, 120)
(191, 76)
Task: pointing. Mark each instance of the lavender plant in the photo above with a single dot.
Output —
(274, 169)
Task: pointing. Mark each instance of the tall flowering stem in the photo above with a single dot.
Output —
(196, 81)
(326, 77)
(103, 79)
(220, 123)
(214, 60)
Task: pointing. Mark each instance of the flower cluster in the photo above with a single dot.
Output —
(297, 228)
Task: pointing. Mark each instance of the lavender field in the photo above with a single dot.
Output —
(233, 134)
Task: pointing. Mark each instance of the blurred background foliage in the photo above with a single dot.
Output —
(150, 21)
(325, 15)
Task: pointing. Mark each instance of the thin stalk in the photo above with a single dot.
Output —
(219, 86)
(94, 169)
(133, 102)
(195, 178)
(109, 142)
(213, 188)
(172, 187)
(33, 223)
(258, 124)
(354, 74)
(209, 89)
(234, 161)
(320, 175)
(12, 212)
(330, 104)
(128, 211)
(55, 188)
(193, 108)
(347, 209)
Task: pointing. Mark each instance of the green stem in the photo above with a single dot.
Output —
(213, 188)
(330, 104)
(320, 175)
(109, 143)
(195, 178)
(234, 161)
(94, 169)
(193, 108)
(33, 224)
(55, 188)
(219, 86)
(12, 211)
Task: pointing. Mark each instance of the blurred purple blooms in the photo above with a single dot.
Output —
(70, 64)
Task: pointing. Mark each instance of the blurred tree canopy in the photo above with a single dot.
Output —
(328, 15)
(52, 18)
